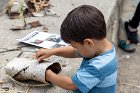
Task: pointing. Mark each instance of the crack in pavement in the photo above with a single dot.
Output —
(9, 50)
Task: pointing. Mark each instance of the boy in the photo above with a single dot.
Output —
(85, 30)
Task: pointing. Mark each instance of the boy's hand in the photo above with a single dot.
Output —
(43, 53)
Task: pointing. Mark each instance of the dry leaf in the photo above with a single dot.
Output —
(27, 26)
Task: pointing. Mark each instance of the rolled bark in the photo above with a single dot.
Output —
(22, 69)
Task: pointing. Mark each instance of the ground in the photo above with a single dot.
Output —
(129, 65)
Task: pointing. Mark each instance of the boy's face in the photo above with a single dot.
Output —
(86, 49)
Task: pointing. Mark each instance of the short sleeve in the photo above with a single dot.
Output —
(85, 79)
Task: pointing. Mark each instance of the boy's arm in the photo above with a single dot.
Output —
(68, 52)
(59, 80)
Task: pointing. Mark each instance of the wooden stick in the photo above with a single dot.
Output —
(42, 4)
(131, 85)
(28, 89)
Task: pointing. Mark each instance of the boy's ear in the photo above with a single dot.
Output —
(89, 42)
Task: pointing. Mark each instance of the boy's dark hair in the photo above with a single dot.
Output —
(83, 22)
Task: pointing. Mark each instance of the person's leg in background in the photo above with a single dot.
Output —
(132, 25)
(132, 32)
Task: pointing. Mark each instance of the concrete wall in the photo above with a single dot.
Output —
(114, 22)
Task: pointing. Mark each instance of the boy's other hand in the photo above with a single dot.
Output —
(42, 54)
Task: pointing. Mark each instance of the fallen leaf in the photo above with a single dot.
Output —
(27, 26)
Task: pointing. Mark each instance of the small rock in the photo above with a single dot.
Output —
(127, 57)
(63, 65)
(6, 88)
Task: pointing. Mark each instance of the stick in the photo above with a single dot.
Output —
(132, 85)
(42, 4)
(28, 89)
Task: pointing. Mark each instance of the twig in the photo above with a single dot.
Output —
(42, 4)
(20, 54)
(11, 91)
(9, 50)
(28, 89)
(132, 85)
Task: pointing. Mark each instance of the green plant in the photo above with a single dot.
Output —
(21, 11)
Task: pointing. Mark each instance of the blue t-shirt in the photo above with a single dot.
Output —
(97, 75)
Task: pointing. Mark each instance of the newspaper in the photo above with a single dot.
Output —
(43, 39)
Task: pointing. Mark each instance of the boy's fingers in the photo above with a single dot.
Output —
(34, 56)
(38, 54)
(40, 59)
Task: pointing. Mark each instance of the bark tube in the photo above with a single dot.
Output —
(22, 69)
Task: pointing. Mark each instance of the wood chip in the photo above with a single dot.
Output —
(45, 29)
(2, 82)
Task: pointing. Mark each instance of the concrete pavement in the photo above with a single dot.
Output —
(129, 64)
(10, 48)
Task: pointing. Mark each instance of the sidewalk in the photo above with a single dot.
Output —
(129, 64)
